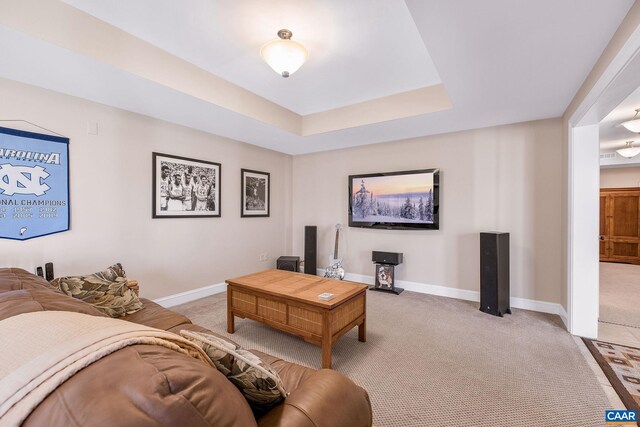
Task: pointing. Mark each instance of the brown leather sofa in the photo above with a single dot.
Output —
(147, 385)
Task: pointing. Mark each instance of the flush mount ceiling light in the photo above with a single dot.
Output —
(634, 124)
(629, 151)
(285, 56)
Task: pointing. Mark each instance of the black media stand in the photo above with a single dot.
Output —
(385, 271)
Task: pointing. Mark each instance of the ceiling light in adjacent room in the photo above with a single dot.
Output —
(629, 151)
(634, 124)
(285, 56)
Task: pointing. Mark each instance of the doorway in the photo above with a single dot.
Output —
(616, 80)
(619, 301)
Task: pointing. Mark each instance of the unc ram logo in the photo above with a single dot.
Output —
(23, 180)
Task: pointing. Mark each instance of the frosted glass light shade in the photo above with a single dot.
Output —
(285, 56)
(632, 125)
(629, 151)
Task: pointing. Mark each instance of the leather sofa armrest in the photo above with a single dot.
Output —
(327, 398)
(133, 285)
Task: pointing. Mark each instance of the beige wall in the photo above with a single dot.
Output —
(110, 183)
(619, 177)
(504, 178)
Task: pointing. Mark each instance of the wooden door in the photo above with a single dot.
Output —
(604, 253)
(621, 227)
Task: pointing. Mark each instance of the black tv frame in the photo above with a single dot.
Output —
(399, 225)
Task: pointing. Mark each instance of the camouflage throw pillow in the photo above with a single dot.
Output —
(106, 290)
(258, 382)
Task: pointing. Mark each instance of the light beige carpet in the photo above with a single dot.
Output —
(434, 361)
(620, 294)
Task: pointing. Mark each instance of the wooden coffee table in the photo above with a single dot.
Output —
(289, 302)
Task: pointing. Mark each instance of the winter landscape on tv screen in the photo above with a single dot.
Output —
(406, 198)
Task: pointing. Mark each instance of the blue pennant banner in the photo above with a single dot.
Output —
(34, 184)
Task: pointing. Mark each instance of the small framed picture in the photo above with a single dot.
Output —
(385, 277)
(255, 187)
(184, 187)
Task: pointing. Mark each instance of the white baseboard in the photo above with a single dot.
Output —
(535, 305)
(463, 294)
(443, 291)
(564, 316)
(192, 295)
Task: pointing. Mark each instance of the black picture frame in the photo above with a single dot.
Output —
(421, 211)
(204, 179)
(255, 197)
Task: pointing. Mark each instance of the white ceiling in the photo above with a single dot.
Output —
(501, 61)
(614, 136)
(358, 49)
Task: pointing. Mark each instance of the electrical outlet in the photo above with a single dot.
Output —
(262, 257)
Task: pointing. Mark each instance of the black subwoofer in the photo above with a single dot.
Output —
(310, 249)
(494, 273)
(289, 263)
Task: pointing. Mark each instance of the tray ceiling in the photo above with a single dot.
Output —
(379, 70)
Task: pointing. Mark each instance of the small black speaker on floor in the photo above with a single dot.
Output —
(494, 273)
(289, 263)
(310, 249)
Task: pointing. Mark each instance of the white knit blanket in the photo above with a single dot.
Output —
(41, 350)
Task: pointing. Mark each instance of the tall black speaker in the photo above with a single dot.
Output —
(310, 249)
(494, 273)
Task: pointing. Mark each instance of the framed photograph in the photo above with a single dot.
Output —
(184, 187)
(407, 200)
(385, 277)
(255, 193)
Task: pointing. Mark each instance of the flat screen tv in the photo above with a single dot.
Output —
(406, 200)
